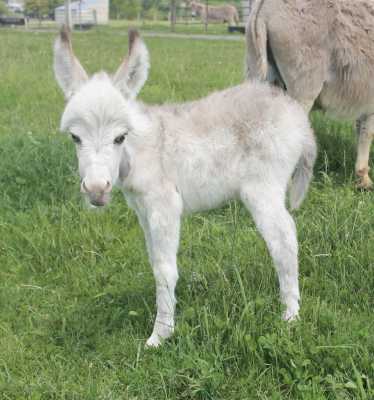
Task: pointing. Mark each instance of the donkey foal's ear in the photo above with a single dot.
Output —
(133, 72)
(69, 73)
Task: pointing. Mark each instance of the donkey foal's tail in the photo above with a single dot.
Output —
(303, 172)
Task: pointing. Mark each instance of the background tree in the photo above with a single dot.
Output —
(150, 8)
(129, 9)
(52, 4)
(3, 8)
(156, 9)
(37, 8)
(41, 8)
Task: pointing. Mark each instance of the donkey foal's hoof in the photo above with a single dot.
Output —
(290, 315)
(153, 341)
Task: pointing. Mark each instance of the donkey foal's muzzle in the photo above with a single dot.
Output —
(98, 192)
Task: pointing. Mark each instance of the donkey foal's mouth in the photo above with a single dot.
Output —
(99, 200)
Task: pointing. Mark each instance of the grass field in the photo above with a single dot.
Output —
(76, 291)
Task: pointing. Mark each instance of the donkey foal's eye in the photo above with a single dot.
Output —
(76, 139)
(119, 139)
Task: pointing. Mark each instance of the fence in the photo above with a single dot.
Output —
(79, 17)
(183, 13)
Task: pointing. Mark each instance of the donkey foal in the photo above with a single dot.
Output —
(241, 143)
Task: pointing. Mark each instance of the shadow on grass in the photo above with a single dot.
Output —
(336, 149)
(130, 312)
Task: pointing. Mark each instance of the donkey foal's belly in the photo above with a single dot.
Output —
(206, 197)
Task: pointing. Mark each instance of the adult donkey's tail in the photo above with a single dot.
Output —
(260, 60)
(256, 41)
(303, 172)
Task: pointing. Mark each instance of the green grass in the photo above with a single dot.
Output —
(76, 290)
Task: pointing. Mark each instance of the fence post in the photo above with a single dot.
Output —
(68, 21)
(173, 14)
(206, 16)
(80, 15)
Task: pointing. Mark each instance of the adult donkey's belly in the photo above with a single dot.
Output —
(348, 94)
(348, 91)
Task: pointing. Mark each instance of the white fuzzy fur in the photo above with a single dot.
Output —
(241, 143)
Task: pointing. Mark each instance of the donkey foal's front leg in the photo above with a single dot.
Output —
(162, 226)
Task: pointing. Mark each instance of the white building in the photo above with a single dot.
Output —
(85, 12)
(17, 6)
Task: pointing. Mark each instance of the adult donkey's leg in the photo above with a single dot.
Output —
(365, 131)
(277, 227)
(162, 225)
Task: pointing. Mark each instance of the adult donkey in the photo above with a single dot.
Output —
(322, 52)
(224, 13)
(241, 143)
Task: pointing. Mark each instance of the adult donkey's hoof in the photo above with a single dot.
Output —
(364, 182)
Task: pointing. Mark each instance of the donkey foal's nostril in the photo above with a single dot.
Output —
(108, 187)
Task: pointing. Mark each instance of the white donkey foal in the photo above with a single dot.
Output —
(241, 143)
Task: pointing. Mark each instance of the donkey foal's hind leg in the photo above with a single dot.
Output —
(279, 232)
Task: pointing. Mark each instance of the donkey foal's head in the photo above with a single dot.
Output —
(100, 113)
